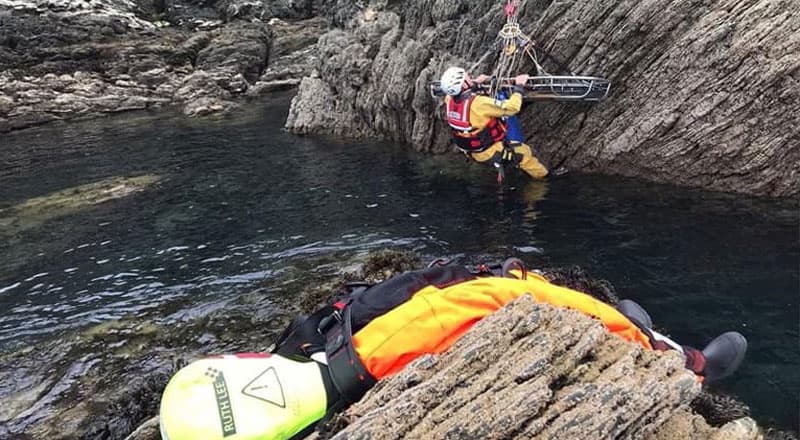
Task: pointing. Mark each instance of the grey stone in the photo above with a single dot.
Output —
(245, 48)
(200, 83)
(264, 87)
(6, 104)
(148, 430)
(207, 105)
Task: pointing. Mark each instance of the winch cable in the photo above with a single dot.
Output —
(513, 45)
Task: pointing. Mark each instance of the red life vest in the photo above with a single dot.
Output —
(467, 137)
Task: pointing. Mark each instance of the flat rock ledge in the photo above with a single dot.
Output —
(66, 59)
(532, 371)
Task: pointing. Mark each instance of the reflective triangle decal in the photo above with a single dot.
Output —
(266, 387)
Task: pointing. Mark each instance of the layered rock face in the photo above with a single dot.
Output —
(704, 93)
(536, 371)
(62, 59)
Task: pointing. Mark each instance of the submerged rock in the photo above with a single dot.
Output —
(38, 210)
(696, 98)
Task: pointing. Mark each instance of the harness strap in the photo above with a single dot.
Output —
(464, 135)
(477, 141)
(348, 373)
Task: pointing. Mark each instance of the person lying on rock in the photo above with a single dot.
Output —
(476, 123)
(326, 361)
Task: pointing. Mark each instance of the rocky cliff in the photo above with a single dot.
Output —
(704, 93)
(63, 59)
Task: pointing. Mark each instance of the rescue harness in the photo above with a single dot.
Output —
(466, 137)
(331, 328)
(470, 139)
(348, 373)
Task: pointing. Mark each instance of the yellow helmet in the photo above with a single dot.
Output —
(245, 396)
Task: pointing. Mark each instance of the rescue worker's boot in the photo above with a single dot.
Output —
(635, 312)
(719, 359)
(724, 355)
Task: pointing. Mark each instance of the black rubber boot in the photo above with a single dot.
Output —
(635, 312)
(723, 355)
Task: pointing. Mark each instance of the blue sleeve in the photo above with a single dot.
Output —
(514, 133)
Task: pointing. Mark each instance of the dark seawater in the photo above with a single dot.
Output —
(238, 200)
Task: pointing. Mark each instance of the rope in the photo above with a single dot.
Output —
(512, 42)
(514, 46)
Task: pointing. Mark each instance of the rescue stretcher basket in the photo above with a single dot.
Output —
(553, 87)
(567, 88)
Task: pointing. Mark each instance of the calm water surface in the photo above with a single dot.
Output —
(238, 200)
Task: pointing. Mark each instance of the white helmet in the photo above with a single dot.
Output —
(453, 80)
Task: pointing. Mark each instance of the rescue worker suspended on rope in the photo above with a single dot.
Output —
(330, 359)
(478, 128)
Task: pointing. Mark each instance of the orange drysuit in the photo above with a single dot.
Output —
(433, 318)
